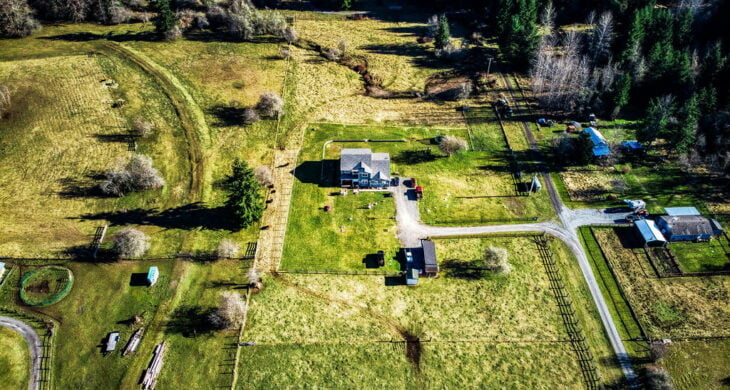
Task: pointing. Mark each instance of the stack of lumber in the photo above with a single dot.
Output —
(150, 376)
(134, 342)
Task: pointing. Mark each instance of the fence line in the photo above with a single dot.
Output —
(586, 360)
(342, 272)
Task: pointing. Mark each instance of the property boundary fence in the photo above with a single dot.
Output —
(586, 360)
(341, 272)
(497, 235)
(47, 335)
(621, 291)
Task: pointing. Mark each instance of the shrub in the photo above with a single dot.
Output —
(136, 174)
(450, 144)
(497, 259)
(142, 127)
(250, 116)
(657, 378)
(233, 308)
(16, 19)
(215, 321)
(270, 105)
(130, 243)
(285, 52)
(290, 34)
(227, 249)
(253, 276)
(173, 33)
(332, 54)
(5, 101)
(264, 175)
(658, 350)
(165, 20)
(245, 199)
(185, 18)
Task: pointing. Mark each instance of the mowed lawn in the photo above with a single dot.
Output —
(14, 360)
(469, 188)
(485, 331)
(106, 296)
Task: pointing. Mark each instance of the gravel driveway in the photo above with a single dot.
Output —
(34, 343)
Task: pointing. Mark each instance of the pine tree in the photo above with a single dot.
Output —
(165, 20)
(584, 149)
(245, 198)
(656, 121)
(620, 93)
(683, 137)
(443, 35)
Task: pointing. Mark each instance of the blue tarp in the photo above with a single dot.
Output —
(634, 145)
(600, 146)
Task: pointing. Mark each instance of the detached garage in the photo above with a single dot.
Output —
(687, 227)
(650, 235)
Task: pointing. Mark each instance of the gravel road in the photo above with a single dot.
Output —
(34, 343)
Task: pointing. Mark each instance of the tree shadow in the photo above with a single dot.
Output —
(464, 269)
(187, 217)
(115, 138)
(415, 156)
(85, 187)
(189, 321)
(324, 173)
(227, 115)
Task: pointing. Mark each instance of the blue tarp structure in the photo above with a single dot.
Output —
(649, 233)
(632, 145)
(600, 146)
(152, 275)
(677, 211)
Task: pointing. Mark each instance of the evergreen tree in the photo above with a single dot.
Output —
(443, 35)
(657, 120)
(518, 26)
(683, 28)
(683, 137)
(245, 198)
(583, 149)
(165, 20)
(620, 93)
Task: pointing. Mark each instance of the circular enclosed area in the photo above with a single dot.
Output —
(45, 286)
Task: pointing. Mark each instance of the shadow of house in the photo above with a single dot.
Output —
(323, 173)
(191, 216)
(629, 237)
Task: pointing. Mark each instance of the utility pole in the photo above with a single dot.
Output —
(489, 66)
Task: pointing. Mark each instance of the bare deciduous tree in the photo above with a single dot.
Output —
(227, 249)
(497, 259)
(264, 175)
(233, 308)
(450, 144)
(135, 174)
(5, 101)
(250, 115)
(142, 127)
(284, 52)
(16, 18)
(253, 276)
(601, 38)
(658, 350)
(290, 34)
(657, 378)
(270, 105)
(130, 243)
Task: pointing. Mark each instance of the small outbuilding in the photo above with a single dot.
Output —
(600, 145)
(2, 269)
(633, 146)
(430, 264)
(650, 235)
(412, 277)
(688, 227)
(152, 275)
(679, 211)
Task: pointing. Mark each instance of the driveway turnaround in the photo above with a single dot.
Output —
(34, 343)
(411, 230)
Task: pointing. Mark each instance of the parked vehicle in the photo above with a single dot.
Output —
(395, 181)
(411, 182)
(419, 192)
(409, 257)
(381, 258)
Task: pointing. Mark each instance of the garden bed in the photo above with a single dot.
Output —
(45, 286)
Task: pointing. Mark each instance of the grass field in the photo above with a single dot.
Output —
(699, 364)
(703, 256)
(475, 331)
(14, 360)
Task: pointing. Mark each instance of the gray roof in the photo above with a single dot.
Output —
(687, 225)
(429, 256)
(377, 164)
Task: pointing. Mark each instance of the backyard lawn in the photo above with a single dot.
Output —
(14, 360)
(708, 256)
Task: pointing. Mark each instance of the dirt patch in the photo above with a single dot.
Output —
(39, 288)
(446, 86)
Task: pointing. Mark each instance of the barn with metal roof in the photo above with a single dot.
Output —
(650, 235)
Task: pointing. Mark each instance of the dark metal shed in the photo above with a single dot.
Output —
(430, 263)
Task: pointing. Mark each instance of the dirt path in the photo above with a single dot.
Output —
(34, 344)
(191, 115)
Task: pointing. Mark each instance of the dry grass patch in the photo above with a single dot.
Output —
(588, 185)
(668, 307)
